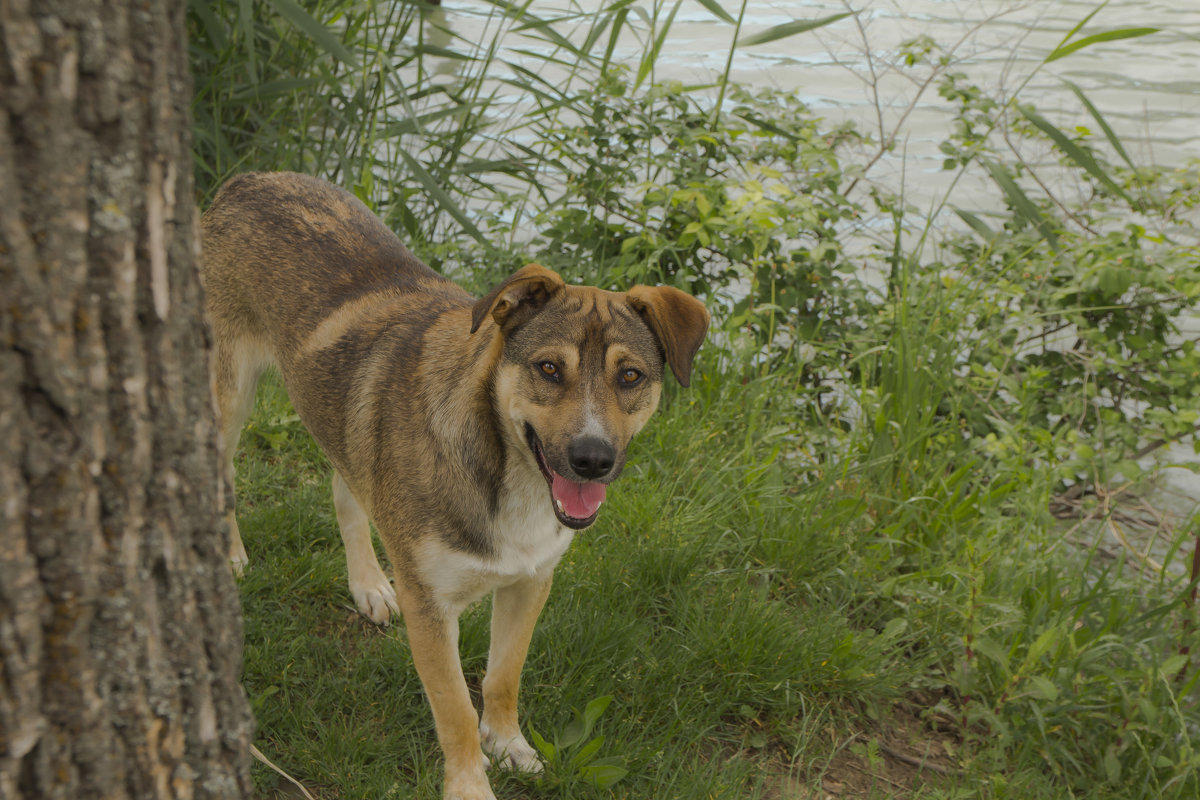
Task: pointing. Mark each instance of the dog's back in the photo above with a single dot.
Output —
(325, 251)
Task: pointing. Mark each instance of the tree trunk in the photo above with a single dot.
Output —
(120, 628)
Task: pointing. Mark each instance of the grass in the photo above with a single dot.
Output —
(831, 564)
(754, 635)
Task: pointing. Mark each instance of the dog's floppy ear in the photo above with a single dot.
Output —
(518, 298)
(678, 320)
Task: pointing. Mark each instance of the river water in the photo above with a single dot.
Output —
(1147, 87)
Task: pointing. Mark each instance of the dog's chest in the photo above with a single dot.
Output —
(527, 542)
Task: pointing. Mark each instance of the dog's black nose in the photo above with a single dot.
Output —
(590, 457)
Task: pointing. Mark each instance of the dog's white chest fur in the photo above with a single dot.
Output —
(528, 542)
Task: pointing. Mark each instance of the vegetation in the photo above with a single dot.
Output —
(872, 548)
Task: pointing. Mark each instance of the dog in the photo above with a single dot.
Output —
(477, 435)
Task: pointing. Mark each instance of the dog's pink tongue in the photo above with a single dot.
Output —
(578, 500)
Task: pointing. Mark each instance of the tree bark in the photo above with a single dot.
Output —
(120, 627)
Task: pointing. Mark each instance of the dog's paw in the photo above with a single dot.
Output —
(237, 550)
(237, 556)
(375, 598)
(510, 752)
(469, 794)
(467, 788)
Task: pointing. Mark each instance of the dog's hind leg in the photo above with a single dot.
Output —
(515, 610)
(373, 594)
(236, 367)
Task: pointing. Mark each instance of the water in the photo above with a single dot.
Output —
(1148, 88)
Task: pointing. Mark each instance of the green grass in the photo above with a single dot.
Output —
(748, 628)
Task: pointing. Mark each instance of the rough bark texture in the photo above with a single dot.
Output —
(119, 621)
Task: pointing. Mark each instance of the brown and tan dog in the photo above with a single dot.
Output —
(476, 434)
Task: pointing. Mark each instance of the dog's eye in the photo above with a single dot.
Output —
(630, 377)
(550, 370)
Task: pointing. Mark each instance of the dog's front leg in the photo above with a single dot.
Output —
(433, 639)
(515, 610)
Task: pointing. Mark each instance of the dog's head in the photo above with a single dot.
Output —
(580, 373)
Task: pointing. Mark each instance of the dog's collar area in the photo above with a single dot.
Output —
(587, 495)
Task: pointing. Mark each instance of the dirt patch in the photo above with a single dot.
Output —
(913, 749)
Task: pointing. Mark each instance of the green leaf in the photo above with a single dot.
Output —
(1114, 280)
(547, 750)
(321, 35)
(1045, 640)
(1112, 765)
(895, 627)
(1064, 50)
(1172, 666)
(593, 712)
(586, 753)
(1043, 687)
(988, 647)
(789, 29)
(602, 776)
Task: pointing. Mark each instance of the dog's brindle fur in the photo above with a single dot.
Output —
(433, 408)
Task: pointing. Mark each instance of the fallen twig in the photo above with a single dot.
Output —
(254, 751)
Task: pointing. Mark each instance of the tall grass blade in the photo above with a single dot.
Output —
(618, 22)
(790, 29)
(737, 30)
(322, 36)
(975, 223)
(546, 29)
(1025, 208)
(717, 11)
(212, 26)
(1109, 133)
(1074, 152)
(434, 187)
(767, 125)
(1064, 50)
(246, 23)
(650, 58)
(438, 51)
(1079, 25)
(279, 88)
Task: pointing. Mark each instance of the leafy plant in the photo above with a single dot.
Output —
(573, 754)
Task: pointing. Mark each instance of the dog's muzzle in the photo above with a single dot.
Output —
(575, 503)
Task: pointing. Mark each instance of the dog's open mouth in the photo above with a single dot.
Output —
(575, 504)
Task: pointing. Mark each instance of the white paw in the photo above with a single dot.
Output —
(467, 788)
(238, 560)
(375, 597)
(510, 752)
